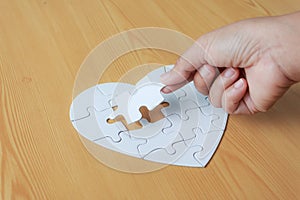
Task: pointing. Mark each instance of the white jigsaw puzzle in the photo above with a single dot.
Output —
(188, 135)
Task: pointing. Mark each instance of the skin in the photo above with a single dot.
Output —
(258, 60)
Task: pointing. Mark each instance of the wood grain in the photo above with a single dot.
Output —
(43, 43)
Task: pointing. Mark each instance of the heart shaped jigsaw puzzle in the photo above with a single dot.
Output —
(187, 135)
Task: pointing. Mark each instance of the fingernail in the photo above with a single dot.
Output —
(165, 76)
(204, 71)
(229, 72)
(166, 90)
(238, 84)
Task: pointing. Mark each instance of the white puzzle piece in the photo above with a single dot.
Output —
(188, 135)
(96, 127)
(188, 159)
(161, 155)
(147, 94)
(79, 106)
(98, 97)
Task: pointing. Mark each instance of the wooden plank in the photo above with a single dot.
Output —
(43, 43)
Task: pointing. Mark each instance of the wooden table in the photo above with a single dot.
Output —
(42, 45)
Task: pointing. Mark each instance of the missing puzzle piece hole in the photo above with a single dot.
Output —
(151, 116)
(132, 126)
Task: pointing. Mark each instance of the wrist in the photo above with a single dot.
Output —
(290, 46)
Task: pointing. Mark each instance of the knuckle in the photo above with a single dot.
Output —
(231, 109)
(230, 105)
(200, 84)
(180, 61)
(201, 87)
(255, 107)
(214, 101)
(213, 72)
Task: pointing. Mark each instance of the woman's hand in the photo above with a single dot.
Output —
(261, 58)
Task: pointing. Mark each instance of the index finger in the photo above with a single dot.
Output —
(185, 67)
